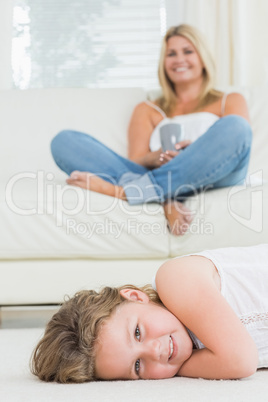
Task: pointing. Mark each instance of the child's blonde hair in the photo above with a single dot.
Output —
(66, 353)
(208, 94)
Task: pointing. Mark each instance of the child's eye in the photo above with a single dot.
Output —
(188, 51)
(137, 366)
(137, 333)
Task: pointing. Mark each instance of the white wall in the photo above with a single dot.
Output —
(237, 32)
(6, 8)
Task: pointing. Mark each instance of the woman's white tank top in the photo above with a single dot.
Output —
(193, 124)
(244, 284)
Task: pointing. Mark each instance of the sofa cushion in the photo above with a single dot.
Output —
(31, 118)
(257, 99)
(227, 217)
(48, 219)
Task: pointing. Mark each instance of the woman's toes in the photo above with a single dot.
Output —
(189, 217)
(183, 228)
(79, 179)
(178, 217)
(179, 228)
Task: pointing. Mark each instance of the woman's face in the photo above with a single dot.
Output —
(182, 62)
(141, 340)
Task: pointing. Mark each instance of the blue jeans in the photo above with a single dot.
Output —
(219, 158)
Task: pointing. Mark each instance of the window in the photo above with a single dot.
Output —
(87, 43)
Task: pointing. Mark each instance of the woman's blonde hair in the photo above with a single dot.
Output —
(66, 353)
(208, 94)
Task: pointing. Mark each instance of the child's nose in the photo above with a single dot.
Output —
(153, 349)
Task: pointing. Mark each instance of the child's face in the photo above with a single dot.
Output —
(141, 340)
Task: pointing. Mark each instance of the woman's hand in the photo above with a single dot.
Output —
(167, 156)
(152, 160)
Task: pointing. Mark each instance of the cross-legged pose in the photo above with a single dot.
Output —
(205, 315)
(214, 152)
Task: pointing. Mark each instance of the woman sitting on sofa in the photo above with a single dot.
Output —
(214, 152)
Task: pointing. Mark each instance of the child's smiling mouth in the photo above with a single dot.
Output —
(171, 347)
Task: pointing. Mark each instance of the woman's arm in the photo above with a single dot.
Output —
(139, 132)
(187, 288)
(236, 104)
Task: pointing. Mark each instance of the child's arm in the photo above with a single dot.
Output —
(187, 288)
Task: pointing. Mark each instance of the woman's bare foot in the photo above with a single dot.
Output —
(95, 183)
(178, 216)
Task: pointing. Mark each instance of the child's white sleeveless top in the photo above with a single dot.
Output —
(193, 124)
(244, 284)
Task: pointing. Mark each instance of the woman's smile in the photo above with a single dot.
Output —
(182, 62)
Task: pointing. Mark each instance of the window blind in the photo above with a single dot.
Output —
(87, 43)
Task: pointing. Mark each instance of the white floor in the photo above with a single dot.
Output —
(18, 385)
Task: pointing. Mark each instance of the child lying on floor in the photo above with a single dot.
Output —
(208, 318)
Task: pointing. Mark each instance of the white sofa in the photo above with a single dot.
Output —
(56, 239)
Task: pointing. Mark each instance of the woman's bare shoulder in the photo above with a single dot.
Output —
(146, 112)
(144, 106)
(142, 114)
(142, 111)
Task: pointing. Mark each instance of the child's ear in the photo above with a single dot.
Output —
(134, 295)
